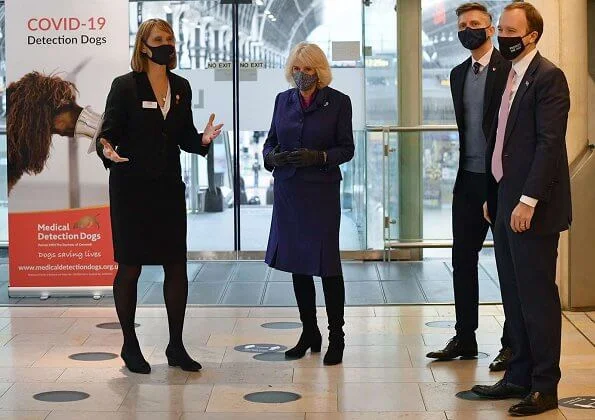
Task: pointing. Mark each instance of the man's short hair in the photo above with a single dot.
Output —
(534, 19)
(467, 7)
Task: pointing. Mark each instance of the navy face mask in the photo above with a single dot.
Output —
(472, 39)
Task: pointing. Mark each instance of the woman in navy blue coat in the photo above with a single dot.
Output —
(310, 137)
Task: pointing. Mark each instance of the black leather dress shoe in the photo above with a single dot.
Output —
(501, 361)
(500, 391)
(455, 348)
(534, 403)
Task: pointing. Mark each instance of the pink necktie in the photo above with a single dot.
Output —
(497, 170)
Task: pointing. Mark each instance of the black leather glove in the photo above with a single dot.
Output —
(306, 157)
(276, 158)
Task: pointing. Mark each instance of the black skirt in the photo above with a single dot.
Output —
(148, 219)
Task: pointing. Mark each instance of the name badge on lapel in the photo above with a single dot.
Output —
(149, 105)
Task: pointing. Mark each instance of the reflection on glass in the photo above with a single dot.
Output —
(381, 62)
(440, 165)
(441, 52)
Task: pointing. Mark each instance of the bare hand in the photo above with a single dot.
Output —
(211, 132)
(110, 153)
(520, 221)
(486, 213)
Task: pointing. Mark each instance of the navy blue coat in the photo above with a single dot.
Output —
(534, 158)
(304, 237)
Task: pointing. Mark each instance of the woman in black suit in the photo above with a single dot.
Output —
(148, 119)
(310, 137)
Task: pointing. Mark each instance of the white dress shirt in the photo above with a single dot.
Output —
(520, 68)
(483, 61)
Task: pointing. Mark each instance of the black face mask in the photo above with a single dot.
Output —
(472, 39)
(511, 46)
(162, 54)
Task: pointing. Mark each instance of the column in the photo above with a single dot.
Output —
(565, 42)
(410, 147)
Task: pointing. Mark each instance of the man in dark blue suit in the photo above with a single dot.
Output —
(477, 85)
(529, 167)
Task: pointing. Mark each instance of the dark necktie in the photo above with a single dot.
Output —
(476, 67)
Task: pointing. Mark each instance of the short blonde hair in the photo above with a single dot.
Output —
(310, 55)
(139, 60)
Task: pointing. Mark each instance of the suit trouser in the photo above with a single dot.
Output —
(469, 233)
(527, 271)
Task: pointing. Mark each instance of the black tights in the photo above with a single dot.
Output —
(334, 298)
(175, 293)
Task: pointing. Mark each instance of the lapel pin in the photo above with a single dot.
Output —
(527, 83)
(326, 103)
(493, 68)
(177, 99)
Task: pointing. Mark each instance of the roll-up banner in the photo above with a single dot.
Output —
(61, 56)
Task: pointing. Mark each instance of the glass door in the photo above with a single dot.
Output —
(230, 194)
(277, 26)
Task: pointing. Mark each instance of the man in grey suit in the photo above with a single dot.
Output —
(476, 85)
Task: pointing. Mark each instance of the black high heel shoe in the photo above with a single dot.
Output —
(312, 341)
(179, 357)
(334, 354)
(134, 361)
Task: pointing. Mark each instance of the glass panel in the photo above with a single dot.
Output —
(381, 109)
(440, 165)
(203, 34)
(278, 27)
(375, 190)
(441, 52)
(381, 62)
(383, 188)
(267, 32)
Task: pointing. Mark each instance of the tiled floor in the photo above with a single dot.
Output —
(385, 374)
(254, 284)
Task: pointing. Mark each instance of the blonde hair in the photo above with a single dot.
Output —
(310, 55)
(139, 60)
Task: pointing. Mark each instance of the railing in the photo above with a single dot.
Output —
(390, 151)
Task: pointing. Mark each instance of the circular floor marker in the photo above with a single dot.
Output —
(469, 396)
(480, 355)
(113, 326)
(93, 356)
(272, 397)
(61, 396)
(582, 403)
(282, 325)
(260, 348)
(441, 324)
(273, 357)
